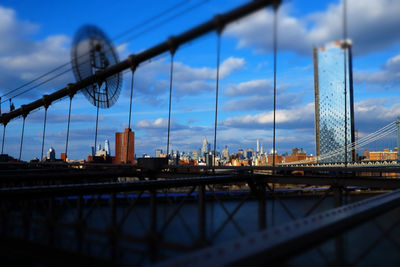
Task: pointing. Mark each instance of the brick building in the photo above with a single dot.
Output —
(121, 145)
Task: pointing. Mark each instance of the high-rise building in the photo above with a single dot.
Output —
(258, 146)
(107, 147)
(334, 126)
(249, 153)
(51, 154)
(206, 147)
(121, 147)
(158, 152)
(195, 155)
(225, 153)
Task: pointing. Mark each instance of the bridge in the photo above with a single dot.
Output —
(157, 213)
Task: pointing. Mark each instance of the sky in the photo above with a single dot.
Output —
(36, 36)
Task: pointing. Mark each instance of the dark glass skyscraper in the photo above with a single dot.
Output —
(334, 115)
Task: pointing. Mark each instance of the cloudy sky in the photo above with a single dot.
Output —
(36, 37)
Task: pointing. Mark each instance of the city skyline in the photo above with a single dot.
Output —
(246, 73)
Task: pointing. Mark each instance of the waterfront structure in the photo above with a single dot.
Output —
(334, 113)
(121, 147)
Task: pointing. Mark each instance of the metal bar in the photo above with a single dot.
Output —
(230, 219)
(176, 210)
(69, 120)
(108, 187)
(131, 207)
(262, 208)
(153, 235)
(282, 204)
(202, 217)
(275, 37)
(216, 97)
(170, 99)
(373, 245)
(22, 138)
(97, 124)
(79, 223)
(148, 54)
(44, 131)
(319, 201)
(4, 135)
(113, 234)
(278, 244)
(229, 214)
(129, 122)
(339, 240)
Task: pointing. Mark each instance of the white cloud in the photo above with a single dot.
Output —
(376, 110)
(389, 73)
(254, 87)
(301, 116)
(371, 25)
(158, 123)
(23, 59)
(184, 73)
(256, 102)
(152, 79)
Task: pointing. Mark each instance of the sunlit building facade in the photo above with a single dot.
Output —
(331, 116)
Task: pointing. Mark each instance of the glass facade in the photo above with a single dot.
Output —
(331, 116)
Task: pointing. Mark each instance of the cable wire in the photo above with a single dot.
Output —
(147, 21)
(216, 96)
(275, 37)
(170, 98)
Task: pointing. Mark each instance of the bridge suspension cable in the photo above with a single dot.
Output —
(68, 124)
(379, 134)
(170, 97)
(133, 69)
(216, 94)
(275, 40)
(132, 29)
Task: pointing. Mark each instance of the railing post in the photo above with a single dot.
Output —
(339, 241)
(398, 140)
(262, 209)
(153, 238)
(27, 219)
(113, 231)
(202, 217)
(79, 224)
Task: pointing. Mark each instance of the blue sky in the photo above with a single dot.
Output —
(36, 36)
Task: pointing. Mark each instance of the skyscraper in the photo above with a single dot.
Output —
(107, 147)
(334, 113)
(51, 154)
(158, 153)
(206, 147)
(121, 145)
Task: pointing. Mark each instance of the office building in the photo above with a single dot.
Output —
(334, 126)
(51, 154)
(107, 147)
(122, 153)
(205, 148)
(158, 153)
